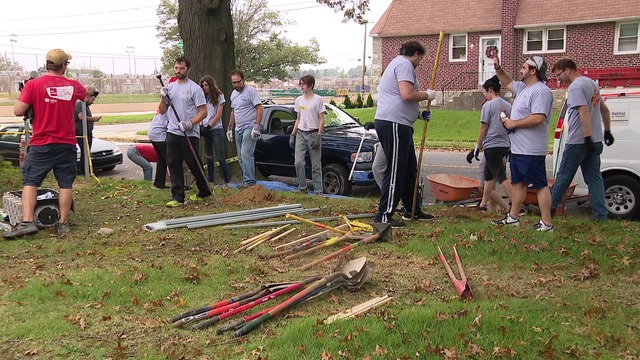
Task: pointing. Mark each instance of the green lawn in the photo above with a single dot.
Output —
(102, 98)
(563, 295)
(448, 128)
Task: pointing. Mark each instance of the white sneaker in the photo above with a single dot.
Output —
(541, 226)
(507, 220)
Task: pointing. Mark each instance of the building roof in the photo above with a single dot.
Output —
(417, 17)
(549, 12)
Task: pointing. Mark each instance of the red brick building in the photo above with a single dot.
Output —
(603, 37)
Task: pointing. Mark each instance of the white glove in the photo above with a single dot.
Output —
(230, 135)
(185, 126)
(255, 133)
(164, 94)
(431, 94)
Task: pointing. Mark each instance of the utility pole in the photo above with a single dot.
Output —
(364, 58)
(12, 39)
(129, 52)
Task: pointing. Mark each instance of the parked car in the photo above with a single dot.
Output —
(620, 165)
(340, 143)
(105, 155)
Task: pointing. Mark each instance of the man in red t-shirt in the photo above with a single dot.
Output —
(143, 155)
(53, 143)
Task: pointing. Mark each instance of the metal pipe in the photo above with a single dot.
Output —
(240, 219)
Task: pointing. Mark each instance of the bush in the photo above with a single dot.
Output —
(369, 100)
(332, 102)
(347, 102)
(359, 102)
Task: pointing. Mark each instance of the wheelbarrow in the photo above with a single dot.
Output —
(452, 189)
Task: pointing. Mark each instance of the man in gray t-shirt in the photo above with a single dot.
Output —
(529, 136)
(246, 116)
(188, 104)
(398, 108)
(586, 114)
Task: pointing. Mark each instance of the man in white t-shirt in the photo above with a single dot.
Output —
(528, 130)
(586, 115)
(307, 134)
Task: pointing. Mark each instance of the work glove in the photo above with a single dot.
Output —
(230, 135)
(588, 142)
(185, 126)
(473, 154)
(255, 133)
(426, 115)
(369, 126)
(608, 138)
(164, 94)
(315, 145)
(292, 141)
(431, 94)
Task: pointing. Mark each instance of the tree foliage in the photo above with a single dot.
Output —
(260, 50)
(7, 64)
(351, 9)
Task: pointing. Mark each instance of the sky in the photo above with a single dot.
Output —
(119, 36)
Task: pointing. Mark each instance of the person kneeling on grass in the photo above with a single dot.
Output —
(143, 155)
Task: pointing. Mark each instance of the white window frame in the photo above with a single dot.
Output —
(545, 40)
(466, 47)
(617, 39)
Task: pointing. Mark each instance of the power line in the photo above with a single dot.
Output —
(74, 15)
(78, 27)
(83, 53)
(87, 31)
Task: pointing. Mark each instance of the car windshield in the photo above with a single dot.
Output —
(338, 118)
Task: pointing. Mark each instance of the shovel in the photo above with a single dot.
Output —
(352, 275)
(383, 232)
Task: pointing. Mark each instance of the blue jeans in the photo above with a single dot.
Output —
(134, 155)
(574, 156)
(246, 146)
(214, 150)
(304, 139)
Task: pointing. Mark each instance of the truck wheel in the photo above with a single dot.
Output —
(621, 196)
(335, 180)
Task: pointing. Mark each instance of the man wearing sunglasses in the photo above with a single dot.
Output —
(528, 130)
(53, 143)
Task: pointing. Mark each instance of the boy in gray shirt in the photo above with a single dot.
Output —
(586, 113)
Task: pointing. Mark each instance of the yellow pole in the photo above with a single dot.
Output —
(424, 130)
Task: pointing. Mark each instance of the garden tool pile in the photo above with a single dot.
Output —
(349, 275)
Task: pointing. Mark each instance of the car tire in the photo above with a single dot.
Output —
(335, 180)
(621, 196)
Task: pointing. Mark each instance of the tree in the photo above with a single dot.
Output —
(7, 64)
(168, 33)
(369, 100)
(260, 51)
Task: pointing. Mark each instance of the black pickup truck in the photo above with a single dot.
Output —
(340, 143)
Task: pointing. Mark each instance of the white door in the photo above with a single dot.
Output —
(486, 63)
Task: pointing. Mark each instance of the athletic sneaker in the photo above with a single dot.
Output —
(522, 211)
(507, 220)
(394, 224)
(420, 215)
(174, 203)
(24, 228)
(62, 228)
(541, 226)
(195, 197)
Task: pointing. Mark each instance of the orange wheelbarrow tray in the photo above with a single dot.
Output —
(452, 188)
(531, 198)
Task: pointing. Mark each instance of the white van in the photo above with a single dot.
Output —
(620, 161)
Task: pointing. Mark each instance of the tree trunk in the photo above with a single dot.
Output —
(206, 28)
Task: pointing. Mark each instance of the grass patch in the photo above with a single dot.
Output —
(124, 119)
(102, 99)
(449, 128)
(572, 293)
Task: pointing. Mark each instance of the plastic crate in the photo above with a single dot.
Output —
(46, 213)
